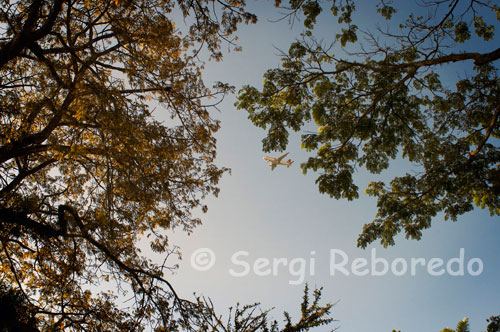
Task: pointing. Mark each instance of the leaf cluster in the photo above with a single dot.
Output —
(388, 101)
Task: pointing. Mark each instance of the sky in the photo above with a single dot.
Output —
(263, 215)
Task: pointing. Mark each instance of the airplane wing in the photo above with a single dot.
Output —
(283, 156)
(273, 166)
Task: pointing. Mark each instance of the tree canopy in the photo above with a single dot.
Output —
(87, 170)
(463, 325)
(387, 92)
(107, 140)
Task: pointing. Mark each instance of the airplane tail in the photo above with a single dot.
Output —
(289, 162)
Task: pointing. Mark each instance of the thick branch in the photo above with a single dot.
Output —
(10, 150)
(23, 174)
(9, 216)
(488, 57)
(37, 50)
(480, 59)
(28, 34)
(493, 122)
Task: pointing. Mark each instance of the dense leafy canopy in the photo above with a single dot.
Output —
(86, 171)
(88, 174)
(393, 96)
(15, 313)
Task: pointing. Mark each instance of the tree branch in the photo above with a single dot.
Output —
(9, 216)
(480, 59)
(28, 35)
(487, 135)
(23, 174)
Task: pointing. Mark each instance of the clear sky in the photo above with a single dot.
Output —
(281, 214)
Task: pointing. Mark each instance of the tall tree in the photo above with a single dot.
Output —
(86, 170)
(386, 98)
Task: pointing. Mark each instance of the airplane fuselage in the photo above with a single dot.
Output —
(273, 162)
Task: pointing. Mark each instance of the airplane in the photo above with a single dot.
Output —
(273, 162)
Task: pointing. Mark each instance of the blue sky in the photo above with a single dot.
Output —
(281, 214)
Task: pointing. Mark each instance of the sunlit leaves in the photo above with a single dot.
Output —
(462, 326)
(86, 171)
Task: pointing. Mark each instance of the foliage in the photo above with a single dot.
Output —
(245, 318)
(463, 325)
(86, 171)
(391, 97)
(16, 315)
(494, 324)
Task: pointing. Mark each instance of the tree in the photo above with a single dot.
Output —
(19, 316)
(494, 324)
(244, 318)
(387, 98)
(463, 325)
(86, 170)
